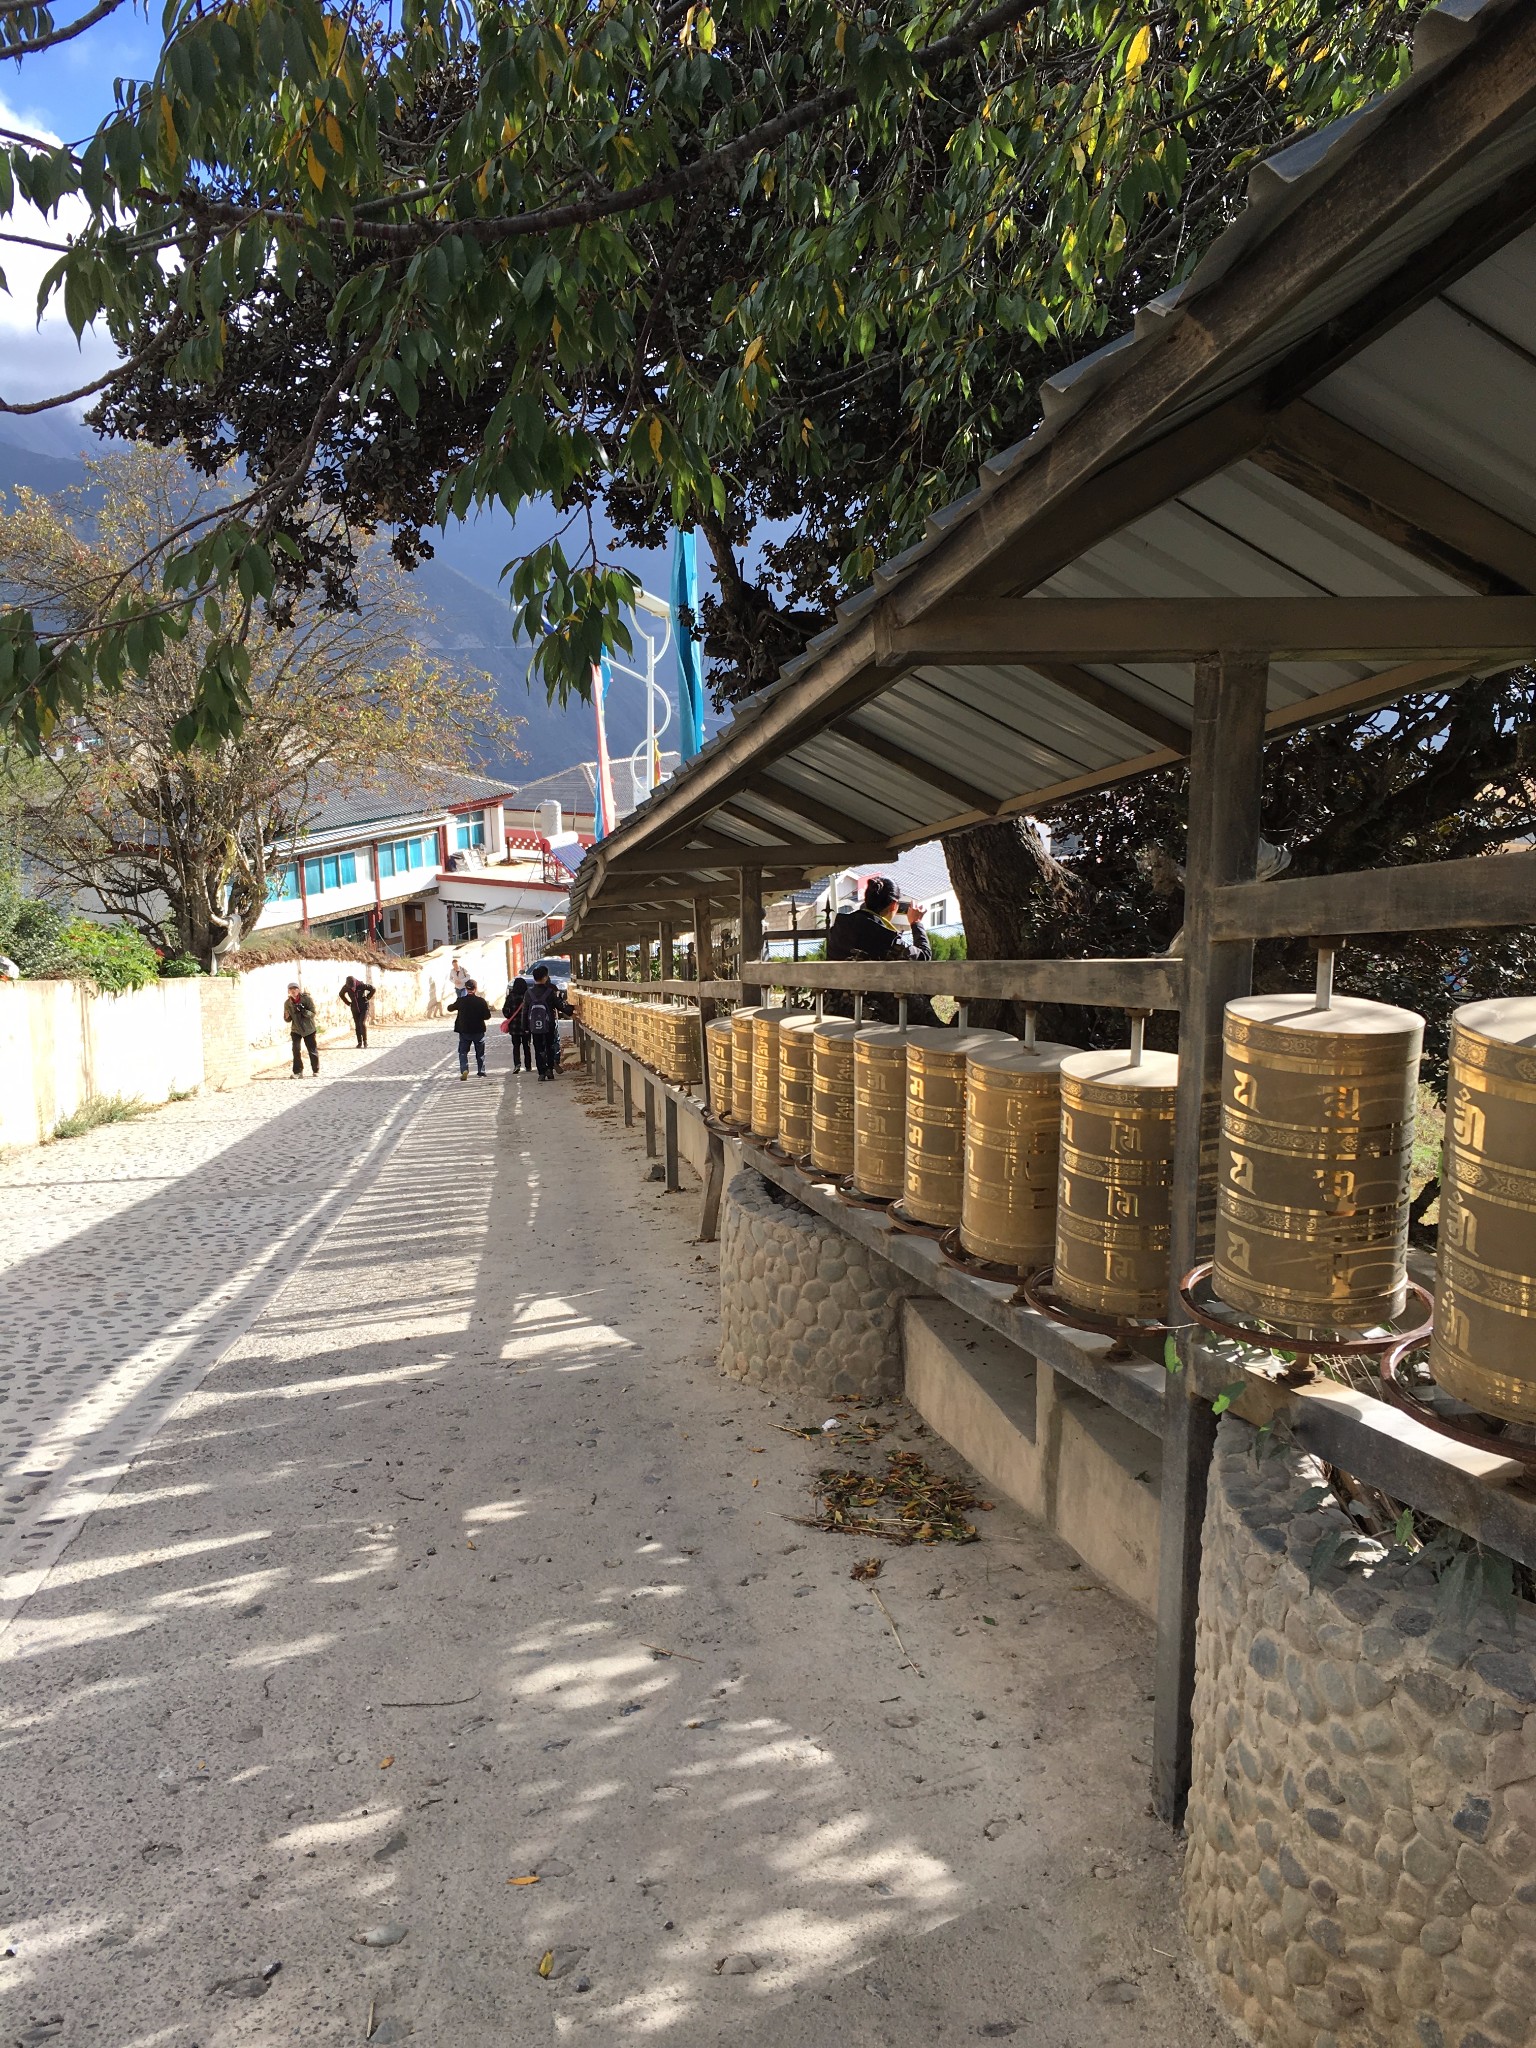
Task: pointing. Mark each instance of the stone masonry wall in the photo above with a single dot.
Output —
(804, 1309)
(1362, 1825)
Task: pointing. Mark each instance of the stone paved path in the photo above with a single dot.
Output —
(132, 1257)
(464, 1565)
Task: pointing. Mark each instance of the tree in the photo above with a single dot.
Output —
(797, 253)
(175, 840)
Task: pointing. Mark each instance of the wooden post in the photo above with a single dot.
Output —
(1226, 767)
(714, 1185)
(629, 1096)
(669, 1129)
(650, 1119)
(704, 970)
(751, 916)
(667, 951)
(608, 1074)
(643, 951)
(621, 953)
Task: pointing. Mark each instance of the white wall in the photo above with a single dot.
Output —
(62, 1046)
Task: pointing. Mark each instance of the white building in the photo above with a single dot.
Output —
(413, 863)
(920, 874)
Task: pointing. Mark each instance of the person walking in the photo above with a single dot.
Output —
(471, 1013)
(299, 1016)
(515, 1011)
(458, 974)
(544, 1005)
(358, 997)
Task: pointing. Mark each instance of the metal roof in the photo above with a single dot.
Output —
(1375, 304)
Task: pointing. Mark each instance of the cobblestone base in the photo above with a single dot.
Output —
(803, 1309)
(1362, 1823)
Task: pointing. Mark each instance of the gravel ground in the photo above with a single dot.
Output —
(463, 1565)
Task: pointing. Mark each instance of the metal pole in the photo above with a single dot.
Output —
(1226, 766)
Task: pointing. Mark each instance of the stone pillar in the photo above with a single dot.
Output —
(1362, 1819)
(804, 1309)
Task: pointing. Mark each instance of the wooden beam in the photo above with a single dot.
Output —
(751, 918)
(1226, 769)
(784, 796)
(1341, 467)
(1078, 682)
(1025, 630)
(960, 787)
(1152, 984)
(1433, 896)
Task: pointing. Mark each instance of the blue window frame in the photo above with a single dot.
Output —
(284, 885)
(400, 856)
(329, 871)
(469, 832)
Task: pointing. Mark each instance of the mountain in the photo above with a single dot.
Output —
(469, 622)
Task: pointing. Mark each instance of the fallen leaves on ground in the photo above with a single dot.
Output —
(907, 1503)
(868, 1568)
(850, 1431)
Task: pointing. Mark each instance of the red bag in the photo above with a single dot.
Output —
(506, 1025)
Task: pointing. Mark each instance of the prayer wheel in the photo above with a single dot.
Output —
(796, 1081)
(765, 1070)
(741, 1065)
(832, 1095)
(880, 1110)
(1116, 1181)
(717, 1038)
(1012, 1152)
(1317, 1109)
(934, 1173)
(1484, 1345)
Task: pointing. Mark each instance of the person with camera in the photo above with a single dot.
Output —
(870, 932)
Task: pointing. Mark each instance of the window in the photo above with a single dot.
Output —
(463, 927)
(355, 928)
(470, 832)
(329, 871)
(399, 856)
(284, 884)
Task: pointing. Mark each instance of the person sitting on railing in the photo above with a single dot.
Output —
(870, 933)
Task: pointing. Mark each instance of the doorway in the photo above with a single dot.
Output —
(415, 928)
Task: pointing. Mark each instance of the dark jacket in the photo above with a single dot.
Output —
(514, 1006)
(300, 1016)
(471, 1013)
(357, 995)
(545, 1006)
(861, 935)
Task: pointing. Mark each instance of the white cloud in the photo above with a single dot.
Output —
(40, 358)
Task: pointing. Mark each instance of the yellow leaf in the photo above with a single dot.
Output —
(384, 1766)
(1139, 51)
(555, 330)
(546, 1962)
(756, 351)
(533, 1879)
(655, 432)
(168, 126)
(316, 170)
(483, 182)
(333, 134)
(842, 35)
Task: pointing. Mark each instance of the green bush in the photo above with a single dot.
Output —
(111, 956)
(32, 933)
(102, 1109)
(177, 966)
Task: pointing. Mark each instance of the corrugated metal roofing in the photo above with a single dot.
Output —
(1444, 375)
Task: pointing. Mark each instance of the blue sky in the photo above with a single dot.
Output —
(70, 88)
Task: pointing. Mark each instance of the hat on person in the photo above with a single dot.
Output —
(880, 892)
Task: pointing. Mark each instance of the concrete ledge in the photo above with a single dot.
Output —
(1066, 1459)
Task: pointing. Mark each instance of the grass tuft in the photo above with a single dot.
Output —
(105, 1109)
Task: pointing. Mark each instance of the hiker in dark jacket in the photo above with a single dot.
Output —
(471, 1013)
(299, 1016)
(544, 1004)
(515, 1010)
(870, 933)
(358, 995)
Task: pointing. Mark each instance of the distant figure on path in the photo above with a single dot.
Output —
(358, 996)
(458, 974)
(471, 1013)
(299, 1016)
(515, 1010)
(544, 1005)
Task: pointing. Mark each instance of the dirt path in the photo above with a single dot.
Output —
(372, 1628)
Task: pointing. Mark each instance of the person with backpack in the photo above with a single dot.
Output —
(544, 1005)
(299, 1016)
(471, 1013)
(357, 996)
(515, 1012)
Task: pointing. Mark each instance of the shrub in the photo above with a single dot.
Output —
(111, 956)
(102, 1109)
(32, 933)
(176, 966)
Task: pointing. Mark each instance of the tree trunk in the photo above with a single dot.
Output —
(1012, 895)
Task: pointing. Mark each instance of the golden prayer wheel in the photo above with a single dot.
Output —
(832, 1095)
(680, 1057)
(1484, 1345)
(1317, 1109)
(1012, 1152)
(796, 1081)
(1116, 1181)
(934, 1173)
(741, 1064)
(765, 1070)
(880, 1110)
(717, 1038)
